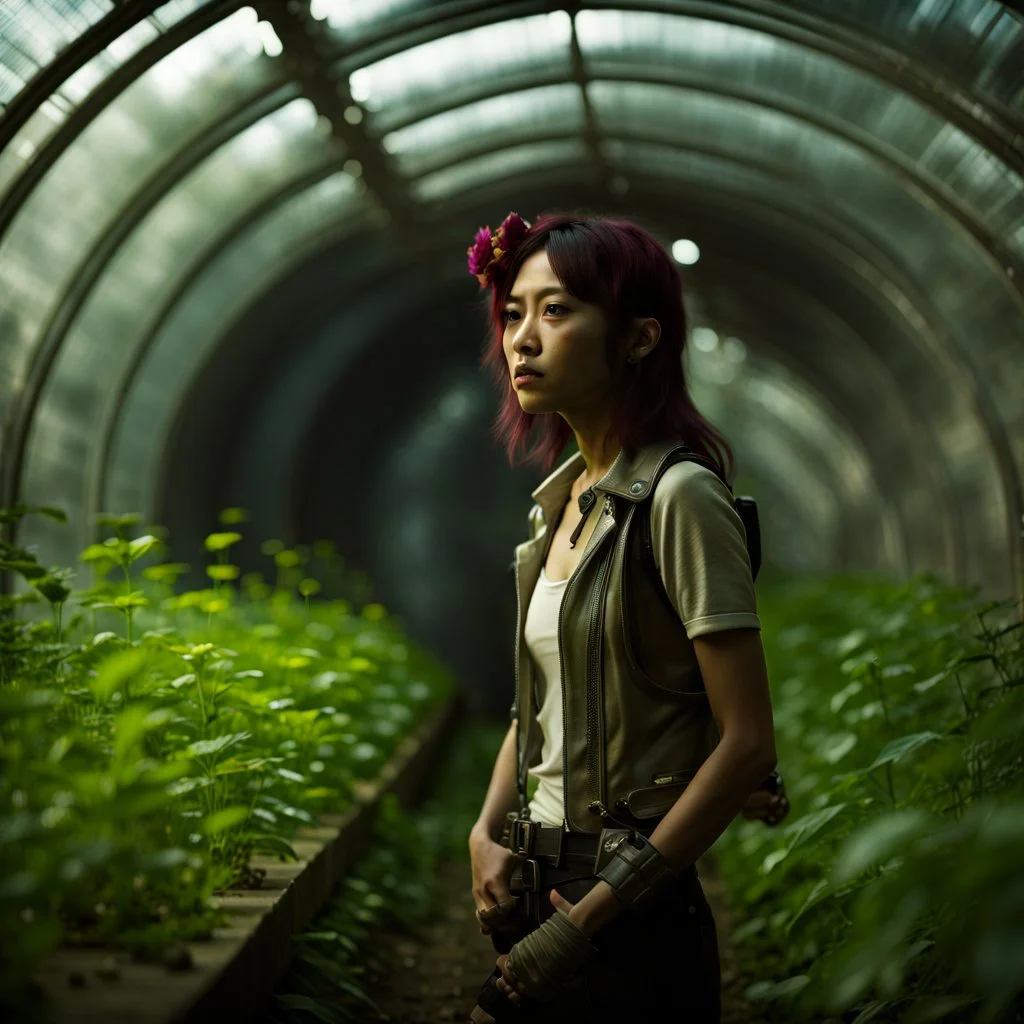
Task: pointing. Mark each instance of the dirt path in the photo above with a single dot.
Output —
(435, 975)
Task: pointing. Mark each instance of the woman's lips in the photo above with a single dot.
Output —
(527, 378)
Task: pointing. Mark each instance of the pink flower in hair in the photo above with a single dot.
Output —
(490, 252)
(479, 254)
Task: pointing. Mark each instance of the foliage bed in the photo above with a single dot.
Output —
(895, 890)
(154, 741)
(395, 887)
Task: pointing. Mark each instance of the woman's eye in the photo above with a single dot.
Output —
(555, 305)
(507, 315)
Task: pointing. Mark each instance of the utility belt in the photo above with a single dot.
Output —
(548, 855)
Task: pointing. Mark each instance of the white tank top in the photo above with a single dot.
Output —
(541, 632)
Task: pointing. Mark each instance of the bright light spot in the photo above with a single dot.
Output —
(735, 350)
(353, 167)
(323, 125)
(353, 115)
(705, 339)
(390, 142)
(302, 113)
(359, 85)
(268, 37)
(26, 149)
(686, 252)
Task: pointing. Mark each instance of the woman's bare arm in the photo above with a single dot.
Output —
(501, 793)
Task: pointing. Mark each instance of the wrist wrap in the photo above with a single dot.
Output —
(638, 873)
(551, 958)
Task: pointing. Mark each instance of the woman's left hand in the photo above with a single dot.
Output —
(764, 805)
(514, 987)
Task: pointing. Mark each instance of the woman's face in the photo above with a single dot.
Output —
(560, 337)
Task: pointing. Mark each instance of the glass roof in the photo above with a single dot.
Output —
(459, 67)
(537, 158)
(44, 122)
(33, 33)
(488, 124)
(178, 100)
(836, 112)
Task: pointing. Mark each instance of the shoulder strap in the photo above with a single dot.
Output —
(745, 506)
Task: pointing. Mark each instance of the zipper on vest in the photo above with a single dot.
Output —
(594, 652)
(608, 507)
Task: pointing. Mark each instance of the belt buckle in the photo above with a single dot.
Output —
(523, 832)
(529, 879)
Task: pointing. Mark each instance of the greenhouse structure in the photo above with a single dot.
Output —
(297, 643)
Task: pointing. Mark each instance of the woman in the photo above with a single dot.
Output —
(645, 740)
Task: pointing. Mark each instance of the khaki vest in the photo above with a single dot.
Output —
(637, 723)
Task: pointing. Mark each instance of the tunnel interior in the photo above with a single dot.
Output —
(232, 265)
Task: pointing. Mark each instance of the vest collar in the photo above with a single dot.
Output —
(627, 478)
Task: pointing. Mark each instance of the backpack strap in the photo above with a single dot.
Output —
(746, 508)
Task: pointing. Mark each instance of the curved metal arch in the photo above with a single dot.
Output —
(872, 267)
(796, 26)
(100, 98)
(306, 248)
(944, 353)
(121, 225)
(50, 78)
(883, 382)
(97, 475)
(989, 246)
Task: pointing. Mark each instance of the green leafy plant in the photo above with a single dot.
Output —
(894, 893)
(142, 767)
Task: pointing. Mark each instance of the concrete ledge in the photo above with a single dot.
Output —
(236, 971)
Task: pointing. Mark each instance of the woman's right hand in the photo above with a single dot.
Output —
(492, 864)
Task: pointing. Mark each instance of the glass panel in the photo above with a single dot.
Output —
(33, 33)
(45, 121)
(453, 70)
(505, 163)
(775, 85)
(179, 99)
(353, 20)
(553, 109)
(242, 271)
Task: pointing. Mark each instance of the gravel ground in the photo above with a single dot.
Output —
(434, 975)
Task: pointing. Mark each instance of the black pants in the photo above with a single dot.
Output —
(662, 966)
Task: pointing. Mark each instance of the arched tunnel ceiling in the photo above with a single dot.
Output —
(174, 177)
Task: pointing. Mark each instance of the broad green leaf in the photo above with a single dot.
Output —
(167, 572)
(266, 842)
(52, 589)
(221, 541)
(899, 748)
(773, 858)
(203, 748)
(141, 546)
(27, 570)
(790, 986)
(805, 827)
(224, 819)
(223, 573)
(926, 684)
(116, 671)
(20, 510)
(877, 841)
(838, 746)
(813, 897)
